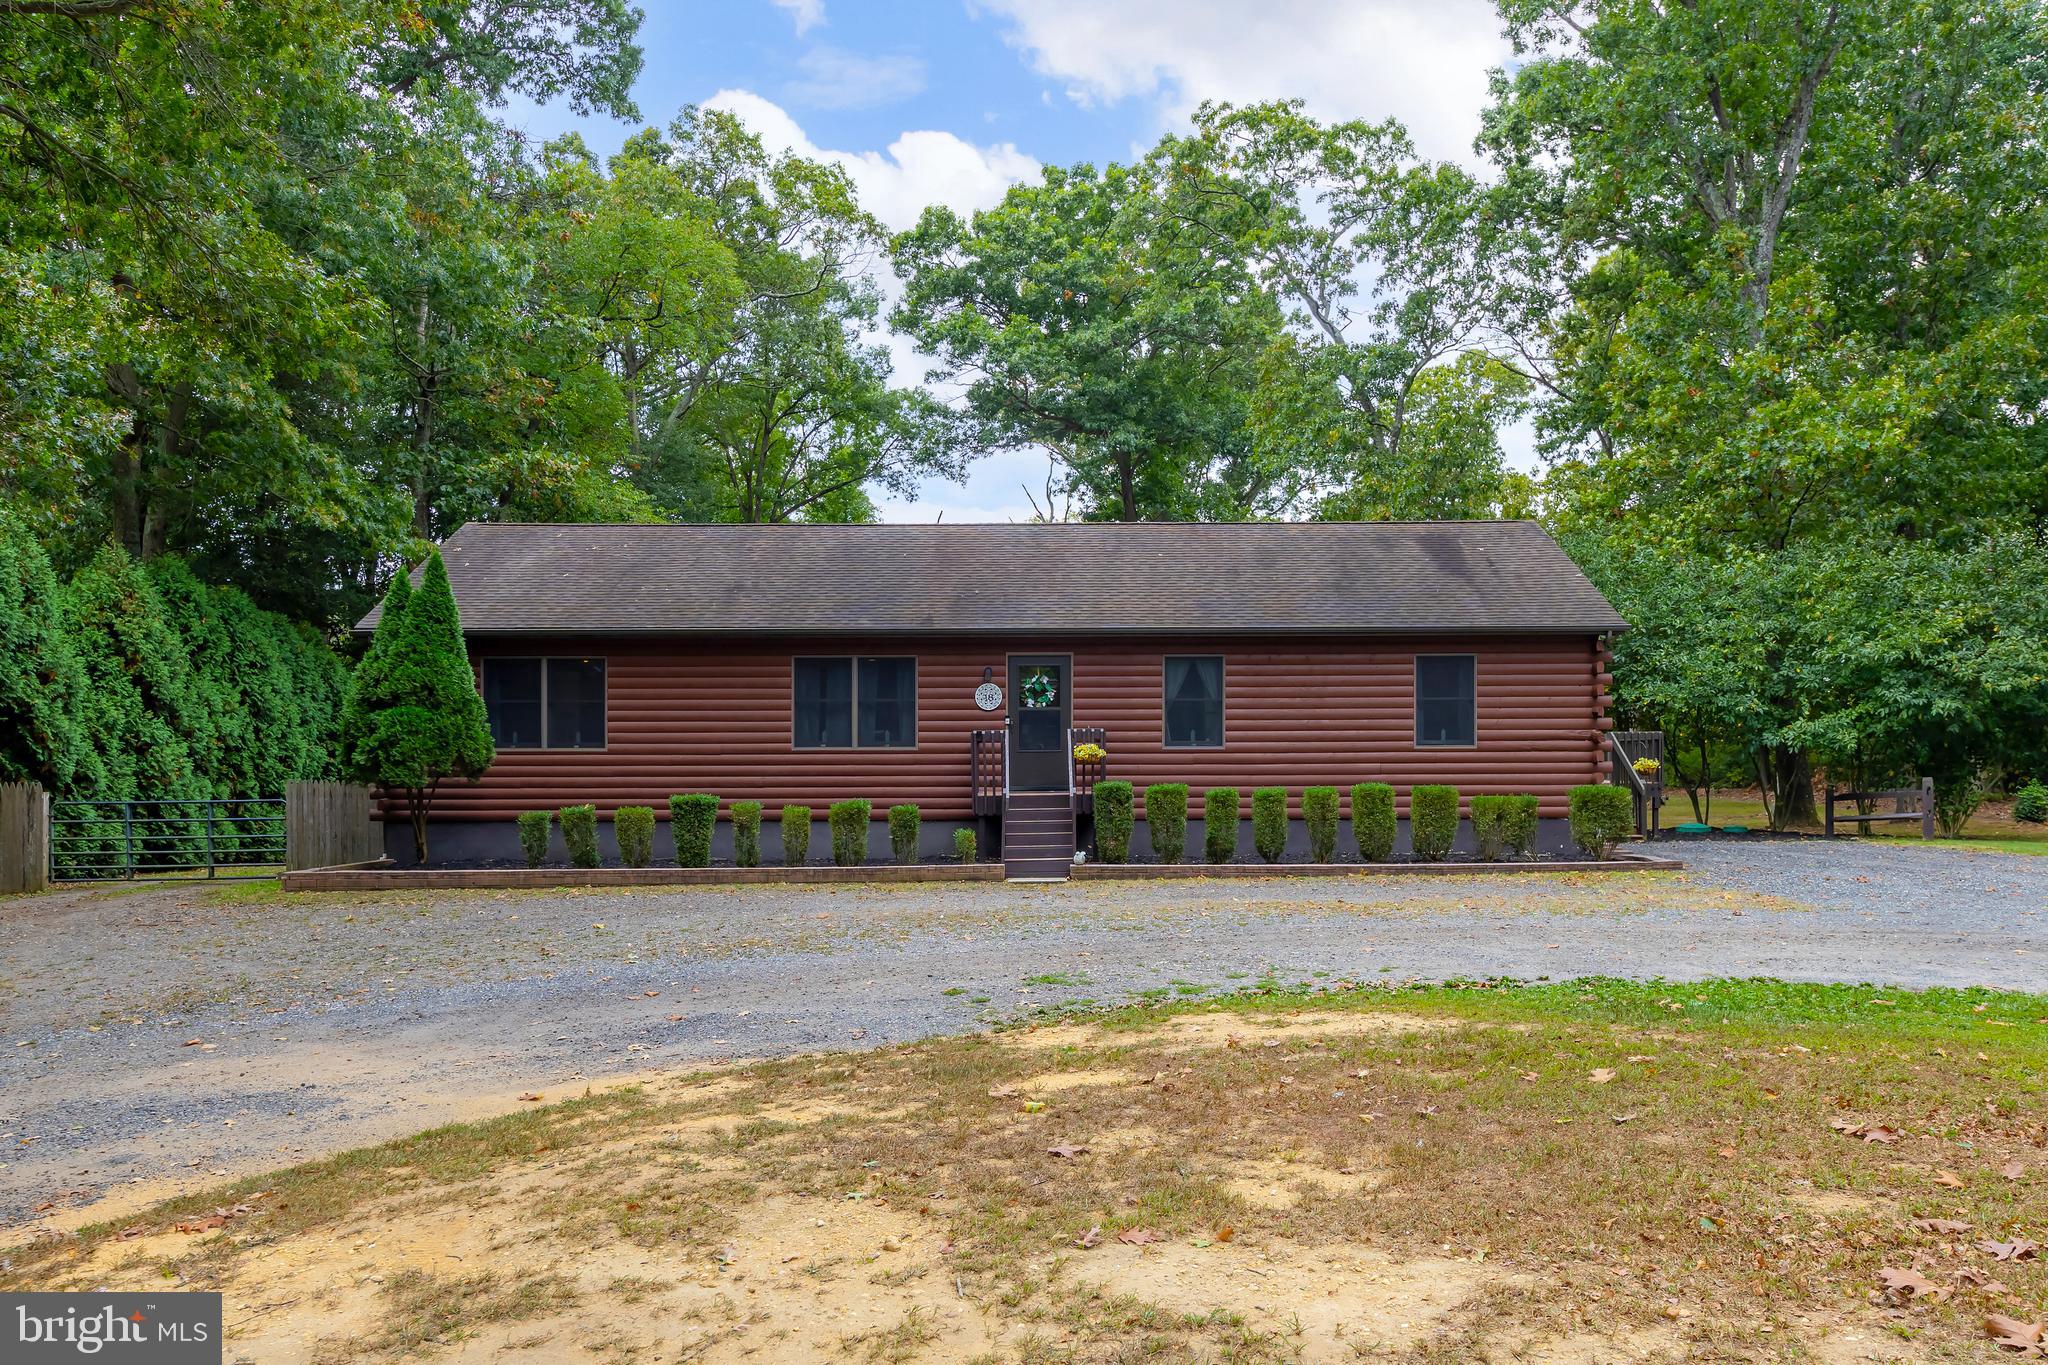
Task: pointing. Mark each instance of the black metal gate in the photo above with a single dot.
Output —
(165, 839)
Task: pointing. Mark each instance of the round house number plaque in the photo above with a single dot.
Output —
(989, 697)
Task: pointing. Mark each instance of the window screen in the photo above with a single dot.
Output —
(512, 702)
(575, 700)
(1446, 700)
(823, 691)
(887, 693)
(1194, 701)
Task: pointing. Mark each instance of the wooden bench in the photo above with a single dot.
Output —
(1908, 803)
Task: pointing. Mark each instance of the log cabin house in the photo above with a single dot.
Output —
(958, 666)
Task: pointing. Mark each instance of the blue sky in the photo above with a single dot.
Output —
(954, 100)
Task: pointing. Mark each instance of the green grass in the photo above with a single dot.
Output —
(1990, 830)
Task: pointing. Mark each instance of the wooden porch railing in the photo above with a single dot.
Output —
(1647, 791)
(988, 770)
(1089, 771)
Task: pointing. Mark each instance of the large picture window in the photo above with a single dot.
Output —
(861, 702)
(1446, 700)
(1194, 701)
(545, 703)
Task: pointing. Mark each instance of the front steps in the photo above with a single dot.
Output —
(1038, 836)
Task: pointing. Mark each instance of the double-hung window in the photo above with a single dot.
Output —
(545, 703)
(864, 702)
(1194, 701)
(1446, 701)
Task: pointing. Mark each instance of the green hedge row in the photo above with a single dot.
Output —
(694, 816)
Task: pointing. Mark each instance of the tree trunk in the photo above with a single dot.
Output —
(422, 426)
(1127, 486)
(1786, 777)
(416, 808)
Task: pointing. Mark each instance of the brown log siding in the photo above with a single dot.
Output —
(715, 716)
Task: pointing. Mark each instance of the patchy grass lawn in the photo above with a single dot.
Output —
(1992, 829)
(1588, 1172)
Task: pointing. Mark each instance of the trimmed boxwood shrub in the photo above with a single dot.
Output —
(746, 833)
(1518, 824)
(634, 826)
(849, 821)
(1489, 817)
(1319, 813)
(1432, 820)
(1602, 816)
(1269, 822)
(2031, 804)
(1372, 820)
(965, 846)
(579, 832)
(1113, 821)
(534, 827)
(796, 835)
(1166, 820)
(1219, 825)
(692, 817)
(903, 823)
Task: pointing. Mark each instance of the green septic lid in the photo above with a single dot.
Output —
(1735, 829)
(1693, 827)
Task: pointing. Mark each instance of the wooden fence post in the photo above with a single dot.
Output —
(1927, 808)
(24, 838)
(327, 824)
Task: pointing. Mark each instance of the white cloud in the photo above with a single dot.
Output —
(919, 168)
(834, 78)
(807, 14)
(1422, 61)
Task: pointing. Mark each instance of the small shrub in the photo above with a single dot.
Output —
(1432, 821)
(746, 833)
(1319, 813)
(1602, 816)
(965, 846)
(1269, 822)
(849, 820)
(1489, 820)
(1113, 821)
(1219, 825)
(1166, 820)
(1372, 820)
(634, 826)
(1518, 824)
(796, 835)
(2031, 804)
(579, 833)
(692, 817)
(903, 823)
(534, 828)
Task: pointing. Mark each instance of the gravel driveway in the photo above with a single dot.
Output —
(159, 1037)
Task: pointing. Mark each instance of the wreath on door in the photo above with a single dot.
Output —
(1039, 690)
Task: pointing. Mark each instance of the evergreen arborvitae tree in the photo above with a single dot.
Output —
(137, 705)
(41, 739)
(421, 719)
(369, 686)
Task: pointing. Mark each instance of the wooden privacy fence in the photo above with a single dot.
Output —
(24, 838)
(328, 824)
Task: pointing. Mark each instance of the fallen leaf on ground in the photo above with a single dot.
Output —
(529, 1095)
(1003, 1092)
(1951, 1226)
(1976, 1279)
(2013, 1170)
(1869, 1132)
(1090, 1237)
(1225, 1233)
(1904, 1286)
(1601, 1075)
(1623, 1118)
(1728, 1153)
(2013, 1334)
(1138, 1237)
(2018, 1249)
(1948, 1178)
(1065, 1149)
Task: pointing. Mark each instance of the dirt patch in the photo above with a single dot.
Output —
(1234, 1028)
(1280, 1185)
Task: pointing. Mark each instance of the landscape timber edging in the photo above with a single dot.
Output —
(1622, 862)
(377, 877)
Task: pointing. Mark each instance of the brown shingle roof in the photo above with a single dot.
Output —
(1088, 578)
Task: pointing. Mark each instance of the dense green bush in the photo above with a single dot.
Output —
(1166, 820)
(1372, 820)
(1319, 813)
(903, 823)
(42, 684)
(746, 833)
(1489, 821)
(633, 827)
(796, 835)
(2031, 804)
(1219, 824)
(1601, 816)
(965, 846)
(1269, 822)
(692, 818)
(534, 828)
(1518, 824)
(1114, 821)
(579, 833)
(849, 820)
(1432, 821)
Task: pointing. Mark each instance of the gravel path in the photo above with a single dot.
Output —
(159, 1037)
